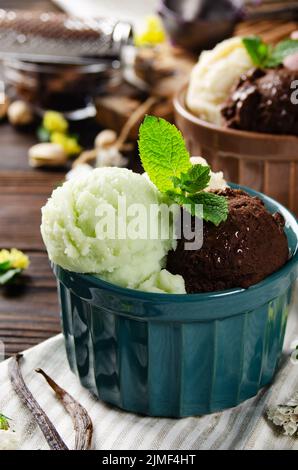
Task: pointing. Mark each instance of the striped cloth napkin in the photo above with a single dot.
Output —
(243, 427)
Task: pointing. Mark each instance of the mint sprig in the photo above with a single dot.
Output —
(195, 180)
(265, 56)
(163, 151)
(215, 208)
(257, 50)
(282, 50)
(167, 162)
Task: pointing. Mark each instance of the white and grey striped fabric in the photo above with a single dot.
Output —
(243, 427)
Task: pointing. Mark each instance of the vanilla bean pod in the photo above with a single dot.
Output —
(48, 429)
(81, 420)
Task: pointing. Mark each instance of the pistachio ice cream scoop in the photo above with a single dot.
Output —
(74, 230)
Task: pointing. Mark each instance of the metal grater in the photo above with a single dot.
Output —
(58, 38)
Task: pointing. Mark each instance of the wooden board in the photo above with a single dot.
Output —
(116, 107)
(115, 110)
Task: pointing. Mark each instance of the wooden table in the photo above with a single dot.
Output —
(29, 311)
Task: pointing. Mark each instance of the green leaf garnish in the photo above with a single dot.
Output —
(282, 50)
(195, 180)
(180, 199)
(215, 208)
(4, 424)
(257, 49)
(163, 152)
(167, 162)
(265, 56)
(8, 276)
(4, 266)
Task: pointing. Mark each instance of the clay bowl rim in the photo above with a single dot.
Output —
(180, 107)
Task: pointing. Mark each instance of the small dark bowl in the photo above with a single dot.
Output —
(197, 33)
(67, 88)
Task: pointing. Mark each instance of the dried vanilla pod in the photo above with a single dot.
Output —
(48, 429)
(81, 420)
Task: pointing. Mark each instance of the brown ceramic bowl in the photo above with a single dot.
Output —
(267, 163)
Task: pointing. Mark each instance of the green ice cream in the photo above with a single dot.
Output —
(77, 238)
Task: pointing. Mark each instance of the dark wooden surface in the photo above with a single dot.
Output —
(29, 311)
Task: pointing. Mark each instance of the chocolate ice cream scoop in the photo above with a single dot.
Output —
(262, 102)
(240, 252)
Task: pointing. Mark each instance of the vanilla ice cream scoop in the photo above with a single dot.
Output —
(85, 230)
(217, 181)
(213, 77)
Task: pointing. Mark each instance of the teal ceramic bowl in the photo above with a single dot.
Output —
(177, 355)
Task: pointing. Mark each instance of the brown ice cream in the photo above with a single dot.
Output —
(240, 252)
(261, 102)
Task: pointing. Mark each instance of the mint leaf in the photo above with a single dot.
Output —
(186, 202)
(265, 56)
(179, 198)
(215, 208)
(282, 50)
(195, 180)
(8, 276)
(162, 151)
(4, 266)
(165, 159)
(257, 50)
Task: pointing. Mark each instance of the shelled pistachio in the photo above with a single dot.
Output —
(47, 154)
